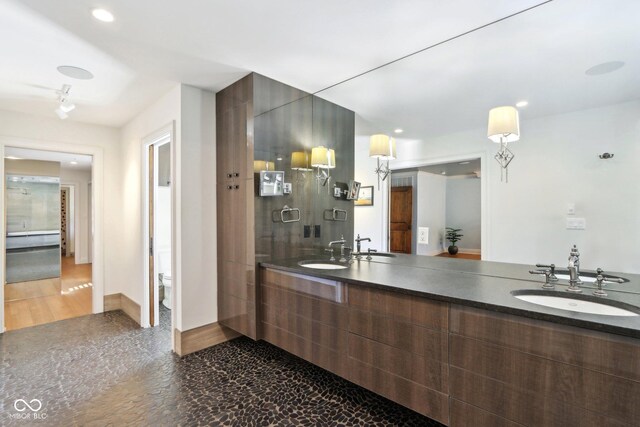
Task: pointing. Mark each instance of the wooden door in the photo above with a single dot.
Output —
(401, 219)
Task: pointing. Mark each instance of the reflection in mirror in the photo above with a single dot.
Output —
(571, 68)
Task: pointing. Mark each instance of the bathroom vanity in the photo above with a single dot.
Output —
(448, 339)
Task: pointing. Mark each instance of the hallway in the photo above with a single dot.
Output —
(44, 301)
(104, 369)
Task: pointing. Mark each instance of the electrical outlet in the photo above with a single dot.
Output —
(576, 224)
(423, 235)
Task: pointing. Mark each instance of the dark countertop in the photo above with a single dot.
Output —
(481, 284)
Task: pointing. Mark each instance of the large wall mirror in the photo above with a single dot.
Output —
(577, 65)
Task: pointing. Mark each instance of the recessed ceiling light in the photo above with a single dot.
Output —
(75, 72)
(521, 104)
(464, 163)
(73, 162)
(13, 158)
(398, 130)
(604, 68)
(279, 158)
(102, 15)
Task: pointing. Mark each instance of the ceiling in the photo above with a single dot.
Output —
(153, 44)
(83, 162)
(450, 169)
(540, 55)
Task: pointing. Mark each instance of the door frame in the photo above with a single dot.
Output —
(164, 135)
(97, 178)
(485, 221)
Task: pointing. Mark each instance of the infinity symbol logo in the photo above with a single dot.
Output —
(21, 405)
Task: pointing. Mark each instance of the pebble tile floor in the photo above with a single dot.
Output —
(104, 370)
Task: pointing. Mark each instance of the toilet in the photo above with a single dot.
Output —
(164, 264)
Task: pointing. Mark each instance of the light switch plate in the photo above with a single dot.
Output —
(423, 235)
(286, 188)
(576, 224)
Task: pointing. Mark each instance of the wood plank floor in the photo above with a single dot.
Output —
(34, 303)
(460, 255)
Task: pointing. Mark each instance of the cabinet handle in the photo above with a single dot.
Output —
(229, 187)
(229, 175)
(236, 174)
(237, 187)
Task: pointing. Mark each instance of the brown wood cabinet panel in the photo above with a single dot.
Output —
(331, 360)
(603, 352)
(544, 380)
(425, 401)
(329, 290)
(237, 314)
(464, 415)
(313, 308)
(420, 311)
(527, 407)
(415, 339)
(316, 332)
(429, 373)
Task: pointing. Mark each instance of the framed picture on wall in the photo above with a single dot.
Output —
(365, 197)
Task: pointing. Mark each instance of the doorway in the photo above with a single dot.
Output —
(425, 200)
(48, 274)
(401, 219)
(159, 290)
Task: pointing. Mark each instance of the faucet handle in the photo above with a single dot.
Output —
(605, 279)
(333, 258)
(547, 278)
(599, 292)
(552, 269)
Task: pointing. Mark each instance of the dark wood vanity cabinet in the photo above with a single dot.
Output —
(508, 369)
(459, 365)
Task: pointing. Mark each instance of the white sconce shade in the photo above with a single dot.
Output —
(300, 161)
(319, 157)
(504, 124)
(382, 147)
(331, 158)
(261, 165)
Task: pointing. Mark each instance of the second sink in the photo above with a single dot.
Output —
(577, 303)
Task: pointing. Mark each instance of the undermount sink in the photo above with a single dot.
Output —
(322, 265)
(577, 303)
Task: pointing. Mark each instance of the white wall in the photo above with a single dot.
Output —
(194, 275)
(368, 220)
(556, 163)
(157, 116)
(196, 210)
(431, 192)
(81, 180)
(463, 211)
(15, 127)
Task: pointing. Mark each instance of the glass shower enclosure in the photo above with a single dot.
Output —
(33, 228)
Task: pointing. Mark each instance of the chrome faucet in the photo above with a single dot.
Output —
(341, 242)
(574, 270)
(358, 248)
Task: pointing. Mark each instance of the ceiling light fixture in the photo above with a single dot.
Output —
(75, 72)
(66, 105)
(521, 104)
(13, 158)
(464, 163)
(398, 130)
(73, 162)
(102, 15)
(504, 127)
(382, 147)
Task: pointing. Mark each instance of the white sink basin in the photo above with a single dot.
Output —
(574, 304)
(323, 265)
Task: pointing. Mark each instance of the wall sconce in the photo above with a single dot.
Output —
(301, 163)
(504, 127)
(324, 160)
(382, 147)
(262, 165)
